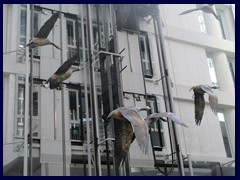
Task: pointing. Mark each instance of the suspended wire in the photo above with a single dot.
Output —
(154, 155)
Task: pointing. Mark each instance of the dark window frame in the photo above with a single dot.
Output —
(159, 126)
(148, 54)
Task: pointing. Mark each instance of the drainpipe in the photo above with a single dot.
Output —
(86, 97)
(31, 97)
(95, 138)
(169, 93)
(25, 157)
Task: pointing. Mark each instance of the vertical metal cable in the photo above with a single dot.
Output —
(63, 101)
(86, 94)
(26, 128)
(31, 96)
(95, 138)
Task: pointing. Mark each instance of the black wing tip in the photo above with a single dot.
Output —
(198, 122)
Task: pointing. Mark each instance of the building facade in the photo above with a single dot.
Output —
(198, 49)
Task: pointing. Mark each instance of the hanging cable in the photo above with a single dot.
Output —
(154, 155)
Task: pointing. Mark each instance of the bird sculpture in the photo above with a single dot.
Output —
(40, 39)
(199, 101)
(128, 124)
(207, 8)
(62, 73)
(152, 118)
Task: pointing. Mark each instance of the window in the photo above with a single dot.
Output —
(231, 62)
(20, 106)
(36, 26)
(36, 125)
(74, 39)
(145, 56)
(99, 105)
(224, 133)
(202, 23)
(212, 70)
(71, 38)
(23, 25)
(74, 114)
(126, 18)
(157, 133)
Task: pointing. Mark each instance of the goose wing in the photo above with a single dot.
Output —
(66, 65)
(199, 103)
(208, 8)
(213, 100)
(139, 126)
(171, 116)
(188, 11)
(48, 26)
(123, 139)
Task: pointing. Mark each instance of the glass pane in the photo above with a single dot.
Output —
(35, 25)
(23, 22)
(35, 104)
(202, 22)
(21, 92)
(70, 31)
(22, 43)
(71, 52)
(20, 126)
(73, 105)
(142, 46)
(156, 128)
(212, 71)
(75, 131)
(224, 134)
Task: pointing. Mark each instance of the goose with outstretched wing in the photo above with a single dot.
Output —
(40, 39)
(152, 118)
(62, 73)
(128, 126)
(207, 8)
(199, 101)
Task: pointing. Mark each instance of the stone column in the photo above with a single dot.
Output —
(212, 25)
(230, 124)
(224, 76)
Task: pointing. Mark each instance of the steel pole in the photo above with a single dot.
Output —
(86, 97)
(95, 138)
(63, 101)
(31, 96)
(26, 127)
(170, 97)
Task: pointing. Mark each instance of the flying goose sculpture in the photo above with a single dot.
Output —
(207, 8)
(199, 101)
(40, 39)
(62, 73)
(152, 118)
(128, 125)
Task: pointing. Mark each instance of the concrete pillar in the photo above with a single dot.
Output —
(51, 151)
(212, 25)
(230, 124)
(224, 76)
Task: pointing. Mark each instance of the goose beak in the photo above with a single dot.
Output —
(45, 85)
(148, 108)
